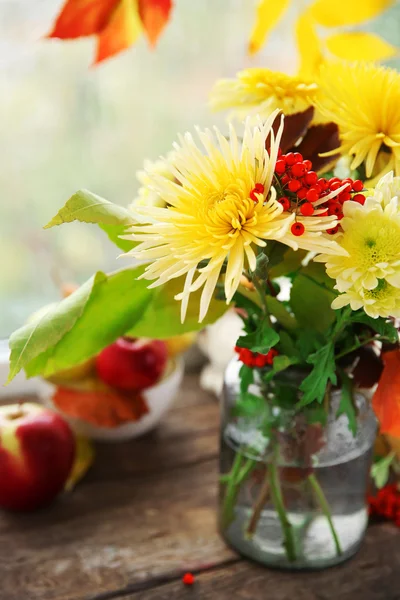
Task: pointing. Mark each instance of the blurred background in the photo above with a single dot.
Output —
(66, 126)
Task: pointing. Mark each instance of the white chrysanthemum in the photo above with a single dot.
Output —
(369, 275)
(221, 207)
(147, 196)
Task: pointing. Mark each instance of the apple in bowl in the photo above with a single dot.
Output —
(37, 449)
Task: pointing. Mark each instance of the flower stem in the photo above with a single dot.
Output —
(277, 498)
(258, 506)
(319, 494)
(237, 475)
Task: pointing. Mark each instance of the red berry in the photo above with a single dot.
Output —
(360, 198)
(290, 159)
(307, 209)
(358, 185)
(311, 178)
(343, 196)
(285, 179)
(188, 579)
(335, 185)
(259, 187)
(307, 164)
(324, 214)
(298, 170)
(302, 193)
(294, 185)
(333, 180)
(298, 157)
(348, 185)
(323, 184)
(333, 230)
(280, 167)
(270, 356)
(334, 208)
(285, 202)
(312, 195)
(297, 229)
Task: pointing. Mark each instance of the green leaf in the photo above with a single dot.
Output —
(278, 310)
(81, 325)
(280, 363)
(346, 406)
(162, 316)
(311, 297)
(284, 261)
(324, 370)
(246, 375)
(38, 335)
(249, 405)
(380, 471)
(86, 207)
(261, 340)
(247, 300)
(382, 326)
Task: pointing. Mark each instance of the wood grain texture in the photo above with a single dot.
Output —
(146, 513)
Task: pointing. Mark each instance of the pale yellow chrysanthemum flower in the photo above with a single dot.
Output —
(257, 91)
(147, 196)
(212, 217)
(364, 100)
(369, 276)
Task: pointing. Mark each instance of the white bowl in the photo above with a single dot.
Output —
(159, 398)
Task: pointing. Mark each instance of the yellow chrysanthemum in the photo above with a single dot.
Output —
(369, 276)
(221, 207)
(147, 196)
(260, 91)
(363, 99)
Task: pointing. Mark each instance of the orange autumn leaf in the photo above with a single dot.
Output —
(117, 23)
(105, 408)
(154, 15)
(386, 400)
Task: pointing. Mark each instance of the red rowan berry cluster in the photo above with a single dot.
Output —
(303, 192)
(386, 503)
(254, 359)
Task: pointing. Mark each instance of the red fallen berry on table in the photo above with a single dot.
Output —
(37, 450)
(307, 209)
(297, 229)
(188, 579)
(132, 364)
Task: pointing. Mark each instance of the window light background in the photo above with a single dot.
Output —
(66, 126)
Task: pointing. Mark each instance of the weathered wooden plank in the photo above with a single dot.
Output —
(374, 574)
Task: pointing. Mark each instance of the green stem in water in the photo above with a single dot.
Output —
(277, 498)
(319, 494)
(238, 473)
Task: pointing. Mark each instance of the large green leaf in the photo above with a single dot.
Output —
(324, 370)
(278, 310)
(81, 325)
(311, 297)
(261, 340)
(86, 207)
(162, 318)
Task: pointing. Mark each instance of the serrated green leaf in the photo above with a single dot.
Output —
(246, 375)
(162, 317)
(380, 471)
(381, 326)
(324, 370)
(261, 340)
(115, 303)
(86, 207)
(311, 297)
(346, 406)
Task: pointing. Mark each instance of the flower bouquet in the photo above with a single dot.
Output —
(294, 219)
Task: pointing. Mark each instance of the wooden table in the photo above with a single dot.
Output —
(145, 514)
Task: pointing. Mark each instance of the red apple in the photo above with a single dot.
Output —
(37, 449)
(132, 364)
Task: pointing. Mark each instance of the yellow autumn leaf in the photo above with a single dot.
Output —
(84, 457)
(358, 45)
(309, 46)
(335, 13)
(268, 14)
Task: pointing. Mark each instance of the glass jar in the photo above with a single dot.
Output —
(293, 485)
